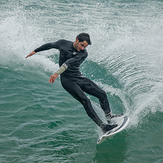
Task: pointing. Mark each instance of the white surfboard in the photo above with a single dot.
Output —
(121, 121)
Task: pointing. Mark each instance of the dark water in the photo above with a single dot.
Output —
(40, 122)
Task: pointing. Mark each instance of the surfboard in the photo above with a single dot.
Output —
(121, 121)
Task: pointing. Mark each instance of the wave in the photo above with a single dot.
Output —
(130, 50)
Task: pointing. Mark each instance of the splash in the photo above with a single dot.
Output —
(20, 36)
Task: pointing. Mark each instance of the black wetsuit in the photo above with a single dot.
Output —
(74, 82)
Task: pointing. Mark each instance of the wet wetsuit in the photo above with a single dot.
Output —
(74, 82)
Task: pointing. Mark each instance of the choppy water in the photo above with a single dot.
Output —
(40, 122)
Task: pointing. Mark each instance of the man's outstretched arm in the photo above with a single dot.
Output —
(46, 46)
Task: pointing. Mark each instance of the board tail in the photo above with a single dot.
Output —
(121, 126)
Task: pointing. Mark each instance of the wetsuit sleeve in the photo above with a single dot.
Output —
(47, 46)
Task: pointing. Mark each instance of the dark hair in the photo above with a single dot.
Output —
(84, 37)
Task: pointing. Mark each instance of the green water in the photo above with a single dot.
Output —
(41, 122)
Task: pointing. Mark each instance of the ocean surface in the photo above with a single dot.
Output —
(41, 122)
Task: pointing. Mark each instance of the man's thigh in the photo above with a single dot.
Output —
(74, 89)
(91, 88)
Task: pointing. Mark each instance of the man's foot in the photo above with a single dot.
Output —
(106, 127)
(110, 116)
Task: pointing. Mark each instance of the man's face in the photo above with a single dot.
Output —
(80, 45)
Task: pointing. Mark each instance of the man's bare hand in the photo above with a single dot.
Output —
(30, 54)
(52, 78)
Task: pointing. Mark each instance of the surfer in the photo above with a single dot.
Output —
(72, 54)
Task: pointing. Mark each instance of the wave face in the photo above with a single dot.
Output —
(40, 122)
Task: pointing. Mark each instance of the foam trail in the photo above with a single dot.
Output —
(132, 53)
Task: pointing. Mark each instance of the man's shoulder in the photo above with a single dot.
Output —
(64, 42)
